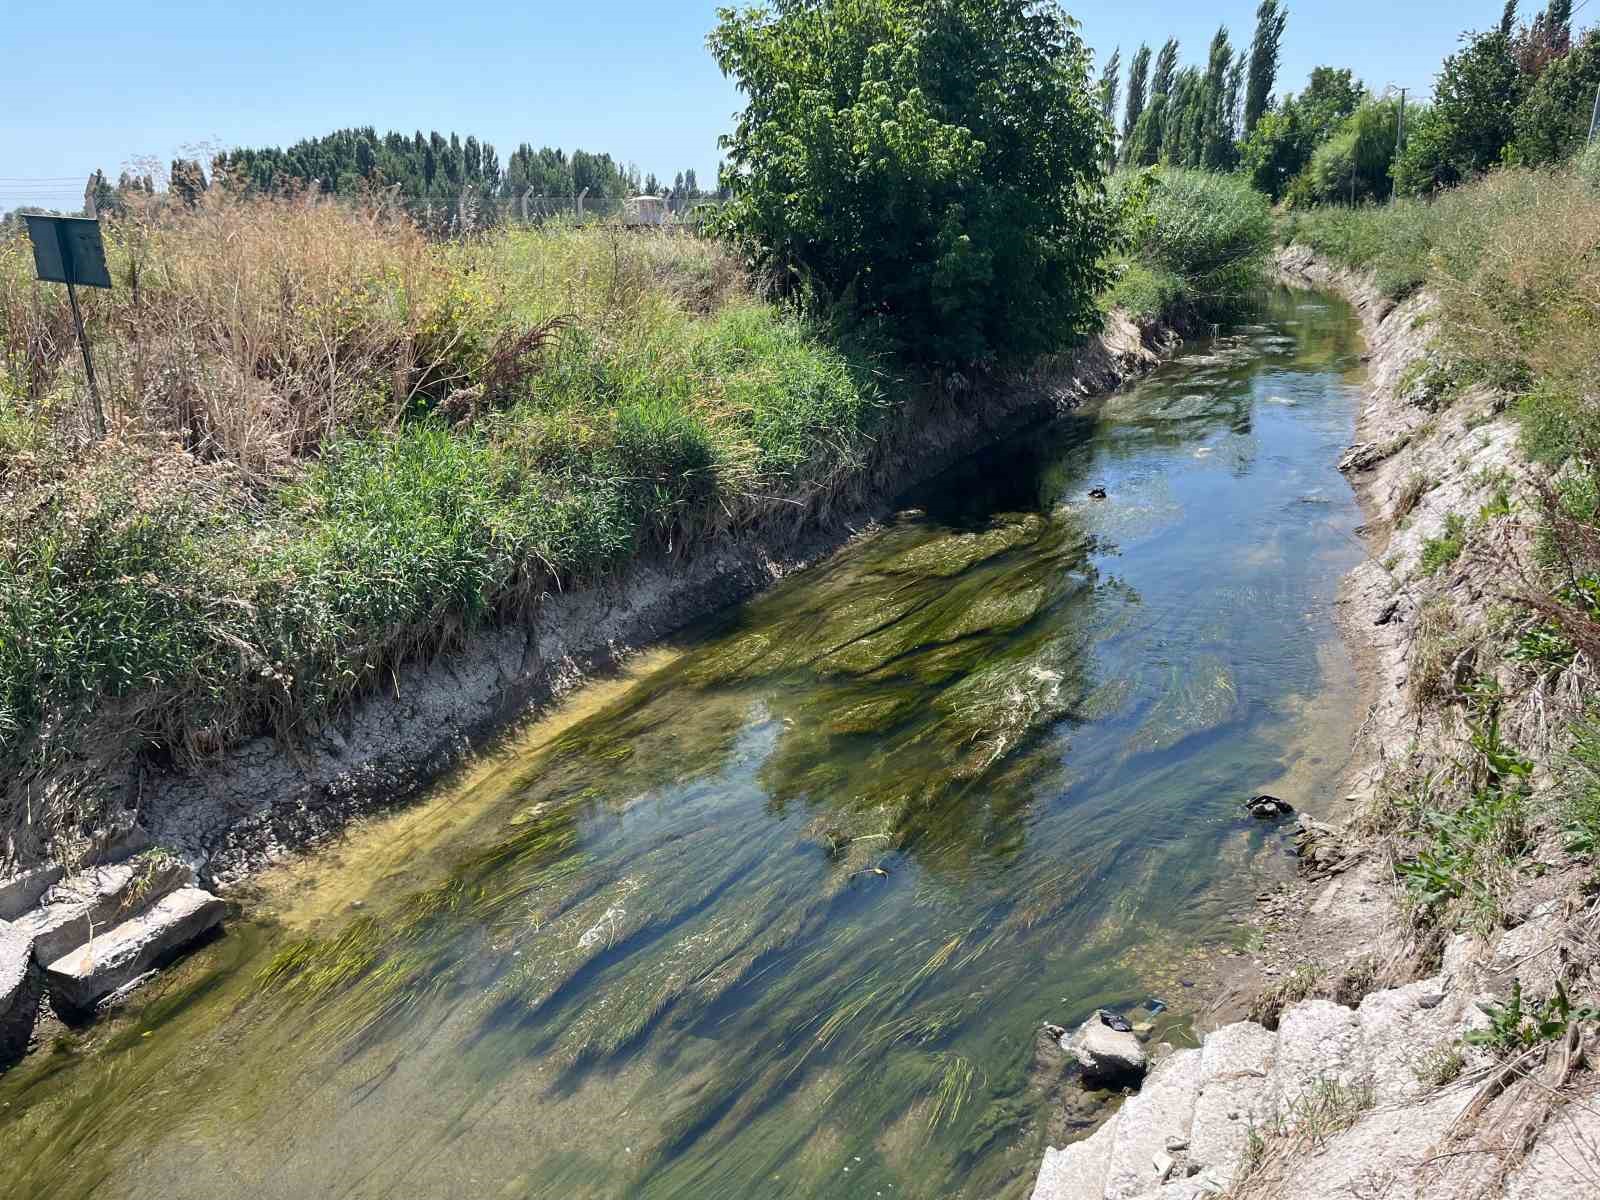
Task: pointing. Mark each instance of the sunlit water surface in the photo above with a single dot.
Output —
(779, 915)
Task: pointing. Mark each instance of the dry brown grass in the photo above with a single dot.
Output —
(248, 330)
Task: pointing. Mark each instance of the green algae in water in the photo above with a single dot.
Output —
(782, 920)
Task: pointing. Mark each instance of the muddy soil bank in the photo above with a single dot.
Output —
(265, 799)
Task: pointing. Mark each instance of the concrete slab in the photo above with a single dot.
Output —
(94, 901)
(20, 985)
(1162, 1109)
(85, 974)
(1078, 1171)
(20, 892)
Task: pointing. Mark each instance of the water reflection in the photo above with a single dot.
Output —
(783, 918)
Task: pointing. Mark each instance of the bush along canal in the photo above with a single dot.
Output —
(782, 914)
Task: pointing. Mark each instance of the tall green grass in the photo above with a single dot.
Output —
(1198, 244)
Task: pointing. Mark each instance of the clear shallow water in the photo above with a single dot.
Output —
(781, 918)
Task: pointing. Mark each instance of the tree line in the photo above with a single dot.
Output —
(1519, 92)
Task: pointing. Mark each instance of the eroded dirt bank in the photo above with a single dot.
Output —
(1354, 1080)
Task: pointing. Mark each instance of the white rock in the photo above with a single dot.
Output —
(1162, 1108)
(81, 976)
(1236, 1095)
(1109, 1057)
(1401, 1027)
(21, 892)
(1565, 1161)
(19, 990)
(1077, 1172)
(1319, 1044)
(94, 901)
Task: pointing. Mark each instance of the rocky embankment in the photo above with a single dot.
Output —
(84, 938)
(1357, 1081)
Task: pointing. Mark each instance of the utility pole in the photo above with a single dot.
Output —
(1400, 125)
(1594, 116)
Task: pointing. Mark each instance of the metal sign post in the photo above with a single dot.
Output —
(69, 250)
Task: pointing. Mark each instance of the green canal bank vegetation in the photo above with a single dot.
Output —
(337, 444)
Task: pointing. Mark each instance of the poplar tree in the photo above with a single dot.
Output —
(1149, 133)
(1110, 83)
(1138, 76)
(1216, 134)
(1270, 20)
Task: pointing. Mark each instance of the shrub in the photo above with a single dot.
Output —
(933, 167)
(1201, 237)
(1353, 165)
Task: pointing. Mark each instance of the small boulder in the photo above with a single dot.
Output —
(1107, 1050)
(1363, 456)
(1318, 847)
(1266, 808)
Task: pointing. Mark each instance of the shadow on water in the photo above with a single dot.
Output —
(781, 918)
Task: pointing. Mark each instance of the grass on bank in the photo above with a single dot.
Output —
(1512, 262)
(336, 445)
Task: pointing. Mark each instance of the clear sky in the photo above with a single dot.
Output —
(102, 84)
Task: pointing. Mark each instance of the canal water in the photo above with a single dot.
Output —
(779, 913)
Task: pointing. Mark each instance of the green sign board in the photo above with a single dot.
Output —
(68, 250)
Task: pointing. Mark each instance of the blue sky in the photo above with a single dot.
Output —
(102, 84)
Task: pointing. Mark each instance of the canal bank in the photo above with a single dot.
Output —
(1384, 1056)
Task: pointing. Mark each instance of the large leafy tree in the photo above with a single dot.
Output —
(1554, 116)
(1473, 117)
(934, 166)
(1280, 147)
(1271, 17)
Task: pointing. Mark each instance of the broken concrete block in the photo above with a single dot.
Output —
(85, 974)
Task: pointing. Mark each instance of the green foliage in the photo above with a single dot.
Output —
(1543, 646)
(1588, 166)
(1138, 94)
(1580, 785)
(936, 168)
(1472, 119)
(151, 601)
(423, 167)
(1516, 1025)
(1281, 144)
(1145, 292)
(1200, 240)
(1550, 419)
(1553, 118)
(1438, 553)
(1470, 852)
(1352, 166)
(1145, 141)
